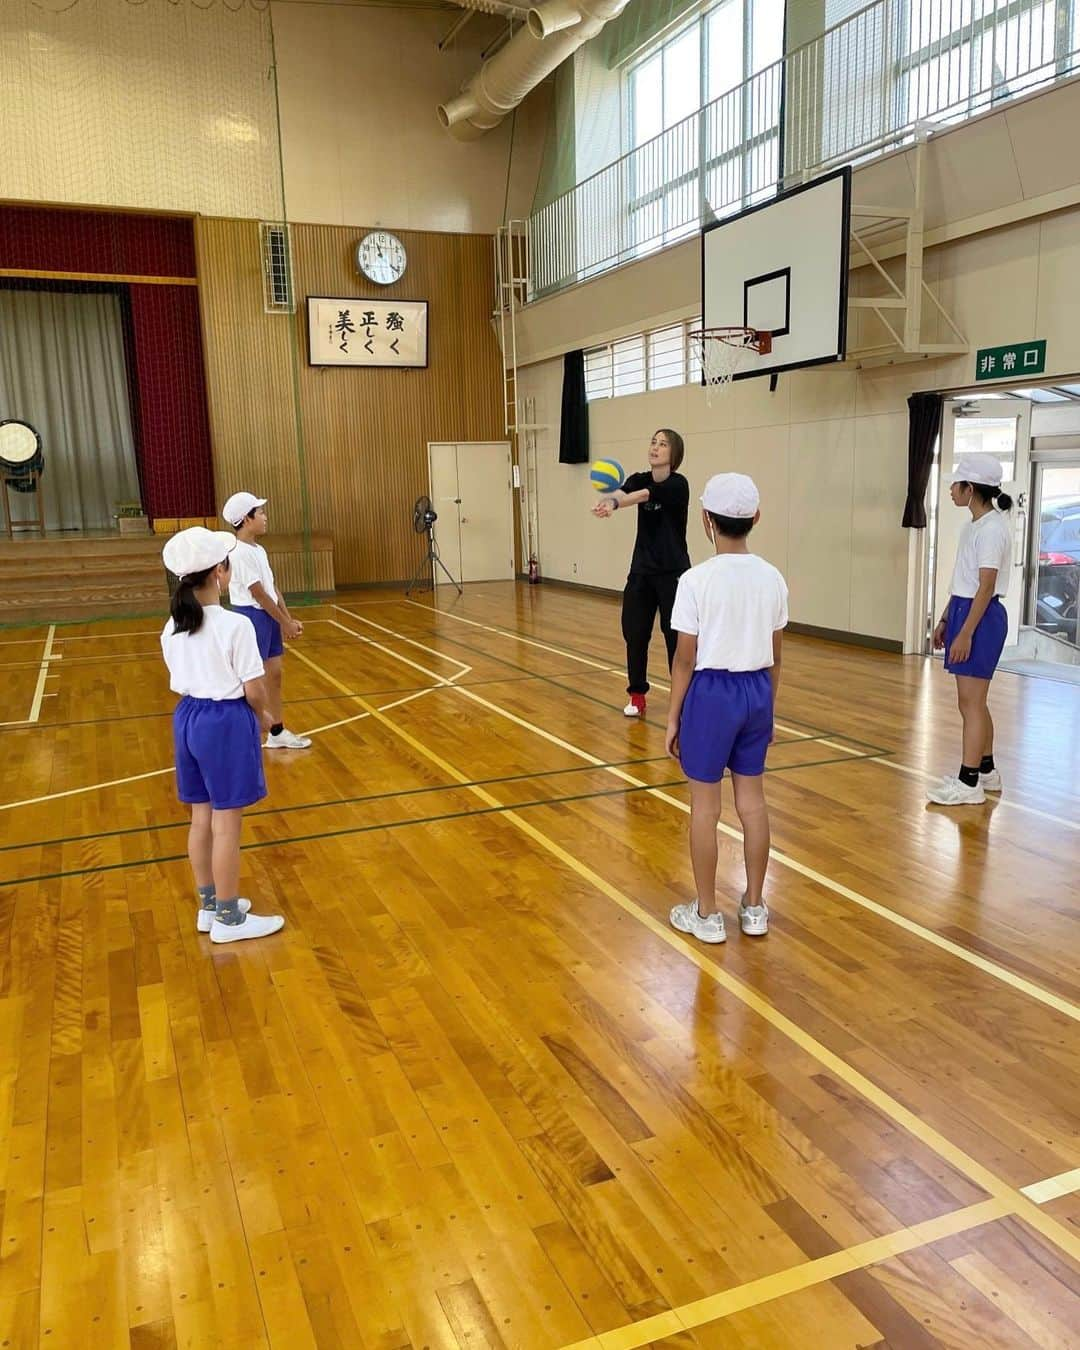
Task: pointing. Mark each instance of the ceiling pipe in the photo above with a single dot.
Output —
(555, 30)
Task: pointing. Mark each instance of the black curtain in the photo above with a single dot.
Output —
(924, 427)
(574, 431)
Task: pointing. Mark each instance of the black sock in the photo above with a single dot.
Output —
(987, 765)
(969, 776)
(277, 728)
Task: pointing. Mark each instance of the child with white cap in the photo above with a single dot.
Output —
(729, 614)
(975, 625)
(252, 592)
(215, 667)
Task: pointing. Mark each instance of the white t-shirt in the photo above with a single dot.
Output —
(733, 604)
(248, 563)
(986, 542)
(215, 661)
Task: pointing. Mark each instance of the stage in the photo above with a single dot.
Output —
(79, 575)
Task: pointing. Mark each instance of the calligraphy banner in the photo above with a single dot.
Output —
(350, 332)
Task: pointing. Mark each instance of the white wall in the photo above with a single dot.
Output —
(829, 448)
(171, 106)
(359, 86)
(831, 465)
(156, 106)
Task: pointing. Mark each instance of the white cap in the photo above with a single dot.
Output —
(196, 550)
(731, 494)
(978, 468)
(239, 505)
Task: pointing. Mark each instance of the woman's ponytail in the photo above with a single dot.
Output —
(187, 613)
(1003, 501)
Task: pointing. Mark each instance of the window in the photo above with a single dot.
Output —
(661, 359)
(703, 120)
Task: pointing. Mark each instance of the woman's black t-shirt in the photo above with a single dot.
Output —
(661, 524)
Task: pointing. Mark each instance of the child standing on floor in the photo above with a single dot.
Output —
(729, 614)
(252, 592)
(975, 625)
(662, 498)
(215, 667)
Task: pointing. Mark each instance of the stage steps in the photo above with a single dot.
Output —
(107, 575)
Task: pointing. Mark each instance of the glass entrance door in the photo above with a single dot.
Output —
(1054, 571)
(1001, 427)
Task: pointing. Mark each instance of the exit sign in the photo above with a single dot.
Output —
(1018, 358)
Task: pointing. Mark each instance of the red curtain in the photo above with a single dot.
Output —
(169, 408)
(166, 378)
(47, 239)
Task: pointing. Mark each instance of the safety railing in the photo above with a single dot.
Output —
(864, 86)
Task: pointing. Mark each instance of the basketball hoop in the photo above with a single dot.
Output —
(721, 352)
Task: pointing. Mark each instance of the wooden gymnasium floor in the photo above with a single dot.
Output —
(478, 1093)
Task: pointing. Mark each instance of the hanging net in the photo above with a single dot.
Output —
(722, 352)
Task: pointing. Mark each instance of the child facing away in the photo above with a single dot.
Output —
(215, 667)
(729, 614)
(252, 592)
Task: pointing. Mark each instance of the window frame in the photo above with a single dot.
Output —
(745, 153)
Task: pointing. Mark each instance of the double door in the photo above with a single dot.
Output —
(472, 492)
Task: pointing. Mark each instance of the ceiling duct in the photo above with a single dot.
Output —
(552, 32)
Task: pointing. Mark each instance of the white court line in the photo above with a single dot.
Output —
(833, 745)
(1053, 1188)
(987, 967)
(39, 689)
(157, 773)
(1001, 801)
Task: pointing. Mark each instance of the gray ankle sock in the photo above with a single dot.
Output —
(228, 912)
(207, 896)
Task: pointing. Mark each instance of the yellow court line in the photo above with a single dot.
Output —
(659, 684)
(858, 1082)
(795, 1278)
(157, 773)
(982, 963)
(1053, 1188)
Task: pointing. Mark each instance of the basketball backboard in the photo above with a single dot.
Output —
(782, 267)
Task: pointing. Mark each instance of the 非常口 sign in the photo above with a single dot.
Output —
(1018, 358)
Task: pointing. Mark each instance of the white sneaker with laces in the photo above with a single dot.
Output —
(754, 919)
(286, 740)
(951, 792)
(254, 926)
(990, 782)
(688, 919)
(205, 921)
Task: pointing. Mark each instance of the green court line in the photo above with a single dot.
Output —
(345, 801)
(396, 824)
(820, 733)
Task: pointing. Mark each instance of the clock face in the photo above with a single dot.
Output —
(381, 257)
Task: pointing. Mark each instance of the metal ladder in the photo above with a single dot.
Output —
(519, 414)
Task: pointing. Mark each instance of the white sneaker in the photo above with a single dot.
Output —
(254, 926)
(636, 706)
(990, 782)
(286, 740)
(205, 921)
(951, 792)
(687, 919)
(754, 921)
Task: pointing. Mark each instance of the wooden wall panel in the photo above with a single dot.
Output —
(249, 372)
(365, 432)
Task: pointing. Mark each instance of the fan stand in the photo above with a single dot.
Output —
(428, 565)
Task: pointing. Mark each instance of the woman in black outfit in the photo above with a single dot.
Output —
(662, 497)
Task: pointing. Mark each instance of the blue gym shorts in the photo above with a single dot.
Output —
(218, 753)
(987, 642)
(726, 723)
(267, 630)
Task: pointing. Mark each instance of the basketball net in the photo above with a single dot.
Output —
(722, 351)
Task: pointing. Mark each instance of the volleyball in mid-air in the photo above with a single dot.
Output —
(606, 475)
